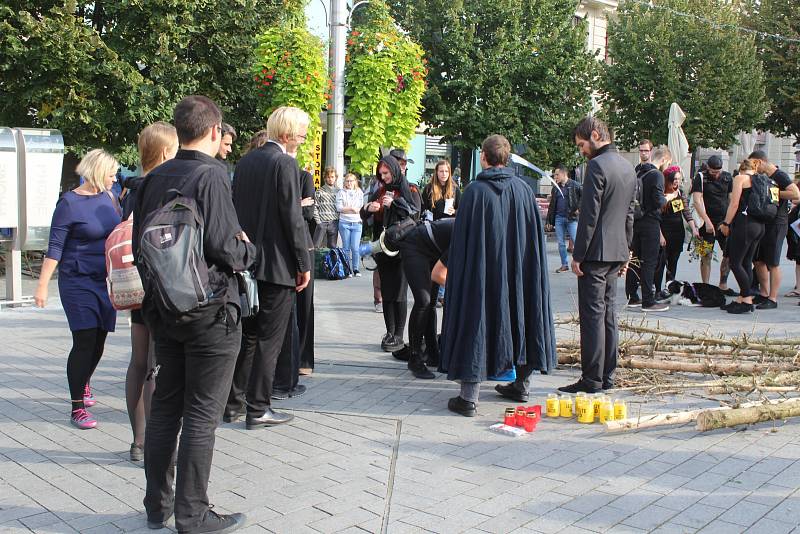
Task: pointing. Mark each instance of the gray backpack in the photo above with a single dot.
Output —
(171, 256)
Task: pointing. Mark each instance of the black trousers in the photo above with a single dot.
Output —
(645, 248)
(305, 323)
(287, 370)
(394, 291)
(194, 370)
(417, 266)
(745, 236)
(597, 292)
(670, 254)
(244, 364)
(272, 319)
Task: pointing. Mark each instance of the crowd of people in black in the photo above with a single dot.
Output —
(218, 358)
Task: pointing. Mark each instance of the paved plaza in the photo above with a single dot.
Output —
(374, 450)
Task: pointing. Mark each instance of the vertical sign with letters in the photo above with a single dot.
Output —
(41, 154)
(318, 160)
(9, 195)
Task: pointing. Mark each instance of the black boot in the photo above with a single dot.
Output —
(417, 367)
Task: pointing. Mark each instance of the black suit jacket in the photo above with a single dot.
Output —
(266, 187)
(605, 223)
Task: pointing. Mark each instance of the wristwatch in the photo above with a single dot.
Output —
(723, 223)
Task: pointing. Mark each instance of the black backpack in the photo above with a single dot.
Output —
(638, 198)
(762, 204)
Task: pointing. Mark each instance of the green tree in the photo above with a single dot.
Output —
(519, 68)
(781, 59)
(699, 61)
(101, 71)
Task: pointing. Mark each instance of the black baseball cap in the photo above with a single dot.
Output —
(400, 155)
(715, 162)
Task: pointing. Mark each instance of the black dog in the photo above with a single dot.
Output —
(698, 293)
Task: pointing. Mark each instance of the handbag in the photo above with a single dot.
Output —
(248, 293)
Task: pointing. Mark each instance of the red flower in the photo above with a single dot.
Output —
(269, 76)
(263, 71)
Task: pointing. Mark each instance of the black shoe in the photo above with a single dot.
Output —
(608, 385)
(730, 292)
(157, 524)
(634, 301)
(280, 394)
(576, 387)
(391, 343)
(231, 416)
(462, 407)
(739, 308)
(403, 354)
(270, 418)
(510, 391)
(725, 306)
(298, 391)
(768, 304)
(657, 307)
(663, 296)
(218, 523)
(418, 369)
(433, 360)
(758, 299)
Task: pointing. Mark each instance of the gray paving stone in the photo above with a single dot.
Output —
(770, 526)
(650, 517)
(697, 515)
(721, 527)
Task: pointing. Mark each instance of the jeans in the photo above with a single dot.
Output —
(351, 238)
(564, 225)
(194, 371)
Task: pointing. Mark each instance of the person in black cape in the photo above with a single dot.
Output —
(497, 298)
(389, 204)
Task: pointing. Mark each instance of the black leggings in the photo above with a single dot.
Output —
(746, 233)
(422, 321)
(394, 288)
(668, 260)
(87, 349)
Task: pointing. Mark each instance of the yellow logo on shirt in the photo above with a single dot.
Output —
(677, 205)
(774, 194)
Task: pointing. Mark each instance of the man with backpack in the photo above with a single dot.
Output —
(184, 218)
(647, 232)
(768, 257)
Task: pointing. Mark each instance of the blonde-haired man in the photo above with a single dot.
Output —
(266, 193)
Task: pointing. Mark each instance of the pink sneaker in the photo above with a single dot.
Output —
(88, 397)
(83, 419)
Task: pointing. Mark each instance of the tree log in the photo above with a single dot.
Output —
(713, 419)
(709, 367)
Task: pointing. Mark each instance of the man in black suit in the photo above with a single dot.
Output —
(605, 231)
(266, 193)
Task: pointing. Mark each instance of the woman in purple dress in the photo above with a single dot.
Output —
(83, 219)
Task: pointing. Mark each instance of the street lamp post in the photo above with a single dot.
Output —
(338, 36)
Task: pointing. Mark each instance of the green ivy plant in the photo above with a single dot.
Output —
(289, 70)
(385, 76)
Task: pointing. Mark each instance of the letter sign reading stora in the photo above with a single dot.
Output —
(318, 161)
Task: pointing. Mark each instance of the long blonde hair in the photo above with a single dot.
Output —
(152, 142)
(437, 192)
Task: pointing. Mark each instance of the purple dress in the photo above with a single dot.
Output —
(81, 224)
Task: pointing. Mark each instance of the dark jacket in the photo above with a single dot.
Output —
(605, 223)
(406, 203)
(498, 294)
(437, 209)
(210, 188)
(266, 193)
(128, 202)
(651, 180)
(307, 191)
(572, 193)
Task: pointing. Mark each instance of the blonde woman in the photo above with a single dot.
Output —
(348, 203)
(157, 144)
(82, 220)
(442, 195)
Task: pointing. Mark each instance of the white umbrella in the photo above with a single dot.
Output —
(747, 142)
(677, 142)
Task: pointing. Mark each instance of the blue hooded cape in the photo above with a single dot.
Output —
(497, 302)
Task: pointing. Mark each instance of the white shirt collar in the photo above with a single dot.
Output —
(283, 148)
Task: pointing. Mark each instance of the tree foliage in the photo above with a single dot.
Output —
(781, 62)
(710, 69)
(385, 81)
(515, 67)
(101, 71)
(290, 71)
